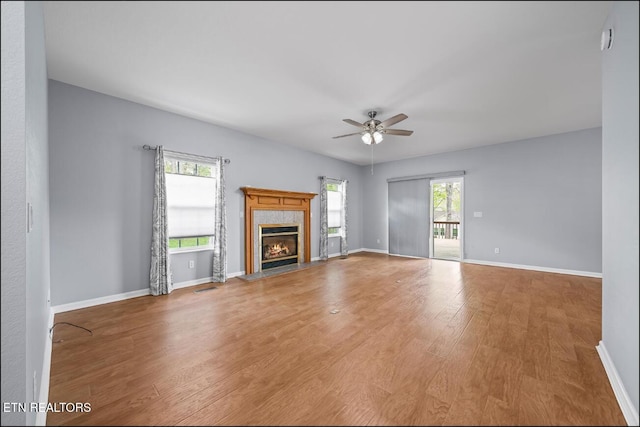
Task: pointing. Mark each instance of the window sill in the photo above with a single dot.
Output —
(186, 251)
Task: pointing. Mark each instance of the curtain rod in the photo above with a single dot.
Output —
(335, 179)
(437, 175)
(150, 148)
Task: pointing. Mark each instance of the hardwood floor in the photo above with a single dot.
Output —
(415, 342)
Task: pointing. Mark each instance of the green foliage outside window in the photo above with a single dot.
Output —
(190, 242)
(333, 187)
(446, 201)
(186, 168)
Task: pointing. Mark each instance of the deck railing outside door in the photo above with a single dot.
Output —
(446, 229)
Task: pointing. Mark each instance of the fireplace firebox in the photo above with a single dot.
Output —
(279, 245)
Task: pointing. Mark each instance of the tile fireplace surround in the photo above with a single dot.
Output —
(274, 206)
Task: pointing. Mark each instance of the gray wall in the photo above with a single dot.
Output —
(38, 245)
(14, 196)
(540, 199)
(102, 183)
(620, 197)
(24, 179)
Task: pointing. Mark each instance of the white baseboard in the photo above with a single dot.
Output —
(195, 282)
(127, 295)
(629, 411)
(408, 256)
(386, 252)
(378, 251)
(187, 283)
(501, 264)
(143, 292)
(43, 398)
(98, 301)
(535, 268)
(337, 254)
(352, 251)
(236, 274)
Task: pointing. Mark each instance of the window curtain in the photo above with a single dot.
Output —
(324, 229)
(219, 269)
(219, 272)
(344, 245)
(160, 275)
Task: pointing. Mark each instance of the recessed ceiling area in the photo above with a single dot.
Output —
(466, 74)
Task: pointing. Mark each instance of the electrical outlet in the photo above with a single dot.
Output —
(496, 250)
(378, 240)
(192, 263)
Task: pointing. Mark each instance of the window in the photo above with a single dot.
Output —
(334, 209)
(190, 204)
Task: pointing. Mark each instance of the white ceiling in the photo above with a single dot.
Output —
(466, 73)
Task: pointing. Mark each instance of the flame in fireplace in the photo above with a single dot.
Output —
(276, 250)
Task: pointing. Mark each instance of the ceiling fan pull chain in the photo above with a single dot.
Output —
(371, 159)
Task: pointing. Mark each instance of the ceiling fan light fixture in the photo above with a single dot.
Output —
(377, 137)
(372, 137)
(372, 131)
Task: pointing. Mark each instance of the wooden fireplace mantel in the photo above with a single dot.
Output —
(265, 199)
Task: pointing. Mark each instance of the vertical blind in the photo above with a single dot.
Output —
(409, 217)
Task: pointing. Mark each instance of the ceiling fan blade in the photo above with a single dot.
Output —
(353, 122)
(398, 132)
(349, 134)
(393, 120)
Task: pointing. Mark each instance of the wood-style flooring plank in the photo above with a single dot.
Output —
(414, 342)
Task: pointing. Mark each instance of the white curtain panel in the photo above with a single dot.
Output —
(160, 275)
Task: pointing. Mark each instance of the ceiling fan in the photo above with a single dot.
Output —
(372, 131)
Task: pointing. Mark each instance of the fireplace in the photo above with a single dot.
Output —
(279, 245)
(265, 206)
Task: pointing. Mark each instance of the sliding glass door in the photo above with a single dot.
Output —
(426, 216)
(446, 218)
